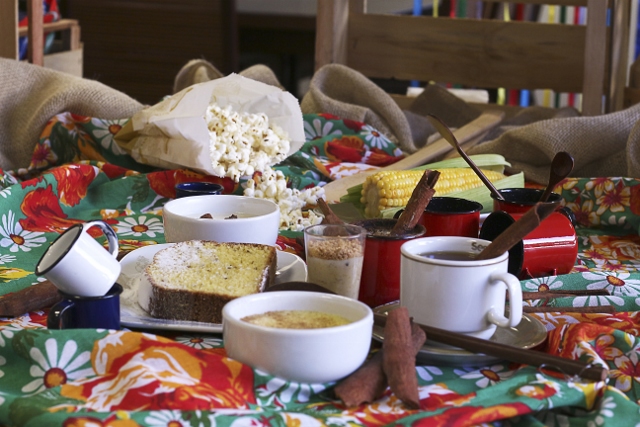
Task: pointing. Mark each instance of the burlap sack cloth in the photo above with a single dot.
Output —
(31, 95)
(606, 145)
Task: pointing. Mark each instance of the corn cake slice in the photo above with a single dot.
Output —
(193, 280)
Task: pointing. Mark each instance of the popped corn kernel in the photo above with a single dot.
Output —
(242, 143)
(272, 185)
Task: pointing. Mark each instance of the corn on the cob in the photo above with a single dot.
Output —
(388, 189)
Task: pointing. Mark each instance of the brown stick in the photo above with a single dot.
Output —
(508, 352)
(567, 309)
(563, 294)
(369, 382)
(419, 200)
(329, 216)
(398, 359)
(517, 231)
(29, 299)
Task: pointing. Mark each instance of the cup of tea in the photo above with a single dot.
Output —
(78, 265)
(549, 250)
(94, 312)
(380, 279)
(450, 216)
(444, 286)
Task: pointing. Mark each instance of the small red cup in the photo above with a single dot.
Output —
(520, 200)
(380, 280)
(549, 250)
(450, 216)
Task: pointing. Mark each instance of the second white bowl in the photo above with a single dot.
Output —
(257, 220)
(300, 355)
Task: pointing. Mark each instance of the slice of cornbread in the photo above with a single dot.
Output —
(193, 280)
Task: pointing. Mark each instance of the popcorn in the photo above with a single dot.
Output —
(272, 185)
(242, 143)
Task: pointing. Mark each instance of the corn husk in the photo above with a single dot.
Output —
(482, 194)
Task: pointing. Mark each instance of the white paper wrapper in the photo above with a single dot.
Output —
(173, 133)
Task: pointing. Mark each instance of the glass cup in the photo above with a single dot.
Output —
(335, 254)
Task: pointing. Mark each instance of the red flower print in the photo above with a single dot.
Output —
(329, 116)
(634, 202)
(474, 415)
(73, 182)
(42, 209)
(347, 149)
(164, 182)
(114, 171)
(352, 124)
(378, 157)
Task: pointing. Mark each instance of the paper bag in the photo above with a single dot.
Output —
(173, 134)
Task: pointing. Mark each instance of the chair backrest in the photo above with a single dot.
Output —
(589, 59)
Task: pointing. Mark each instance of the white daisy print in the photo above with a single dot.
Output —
(105, 131)
(616, 283)
(6, 259)
(375, 138)
(542, 284)
(486, 376)
(427, 372)
(284, 391)
(316, 130)
(139, 226)
(12, 235)
(166, 418)
(199, 342)
(6, 333)
(53, 368)
(5, 192)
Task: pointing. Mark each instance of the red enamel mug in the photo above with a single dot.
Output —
(380, 280)
(450, 216)
(520, 200)
(549, 250)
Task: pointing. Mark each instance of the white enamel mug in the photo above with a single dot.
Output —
(466, 296)
(78, 265)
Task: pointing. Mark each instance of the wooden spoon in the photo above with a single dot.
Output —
(451, 139)
(561, 167)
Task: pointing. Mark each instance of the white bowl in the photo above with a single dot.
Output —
(258, 219)
(301, 355)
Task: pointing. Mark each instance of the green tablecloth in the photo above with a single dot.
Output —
(164, 378)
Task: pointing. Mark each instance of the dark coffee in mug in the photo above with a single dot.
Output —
(450, 255)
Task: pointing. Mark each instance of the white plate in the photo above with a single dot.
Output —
(290, 268)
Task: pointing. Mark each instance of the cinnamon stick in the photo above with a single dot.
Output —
(563, 294)
(568, 309)
(34, 297)
(508, 352)
(369, 382)
(398, 358)
(419, 200)
(329, 216)
(517, 231)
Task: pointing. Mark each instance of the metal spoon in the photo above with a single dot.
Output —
(561, 167)
(451, 139)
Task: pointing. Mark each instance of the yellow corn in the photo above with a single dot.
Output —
(387, 189)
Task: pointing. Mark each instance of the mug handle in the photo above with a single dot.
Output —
(112, 237)
(57, 314)
(515, 301)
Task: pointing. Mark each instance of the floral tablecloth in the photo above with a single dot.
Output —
(138, 378)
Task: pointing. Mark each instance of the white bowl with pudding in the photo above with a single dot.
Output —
(221, 218)
(310, 354)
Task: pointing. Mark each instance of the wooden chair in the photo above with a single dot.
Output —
(68, 59)
(590, 59)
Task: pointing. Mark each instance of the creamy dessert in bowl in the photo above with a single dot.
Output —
(221, 218)
(334, 339)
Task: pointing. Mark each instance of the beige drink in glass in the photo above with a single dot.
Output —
(334, 257)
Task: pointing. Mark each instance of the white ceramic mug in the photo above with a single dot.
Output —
(466, 296)
(78, 265)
